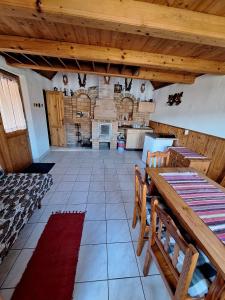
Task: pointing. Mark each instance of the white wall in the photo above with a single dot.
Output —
(32, 85)
(92, 80)
(202, 108)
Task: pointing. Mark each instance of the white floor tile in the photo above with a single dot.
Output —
(98, 177)
(24, 235)
(71, 177)
(78, 198)
(154, 288)
(94, 232)
(114, 197)
(81, 186)
(6, 293)
(95, 212)
(118, 231)
(141, 260)
(34, 237)
(49, 210)
(18, 268)
(129, 207)
(91, 290)
(97, 186)
(65, 186)
(96, 197)
(115, 211)
(75, 207)
(59, 197)
(85, 171)
(82, 177)
(7, 264)
(111, 186)
(128, 288)
(121, 261)
(92, 263)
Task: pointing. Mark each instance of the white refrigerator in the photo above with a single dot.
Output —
(156, 142)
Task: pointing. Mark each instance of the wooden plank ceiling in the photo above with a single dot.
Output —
(181, 58)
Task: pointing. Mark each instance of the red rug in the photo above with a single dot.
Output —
(50, 273)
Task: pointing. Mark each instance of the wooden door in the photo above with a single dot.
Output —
(55, 108)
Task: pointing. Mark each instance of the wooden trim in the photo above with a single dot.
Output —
(143, 74)
(57, 49)
(130, 16)
(211, 146)
(151, 122)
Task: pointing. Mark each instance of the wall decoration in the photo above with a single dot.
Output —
(65, 80)
(128, 85)
(174, 99)
(107, 79)
(118, 88)
(82, 83)
(142, 87)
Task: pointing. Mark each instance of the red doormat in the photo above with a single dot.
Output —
(50, 273)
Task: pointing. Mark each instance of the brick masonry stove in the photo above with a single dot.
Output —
(105, 124)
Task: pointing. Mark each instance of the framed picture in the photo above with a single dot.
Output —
(118, 88)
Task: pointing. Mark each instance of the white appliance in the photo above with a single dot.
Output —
(156, 142)
(105, 131)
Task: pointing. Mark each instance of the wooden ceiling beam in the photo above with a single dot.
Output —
(125, 16)
(16, 44)
(143, 73)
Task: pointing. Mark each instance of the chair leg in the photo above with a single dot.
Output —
(148, 260)
(134, 222)
(140, 241)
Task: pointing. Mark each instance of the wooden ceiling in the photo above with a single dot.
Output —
(187, 43)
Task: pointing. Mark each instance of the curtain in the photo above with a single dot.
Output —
(11, 107)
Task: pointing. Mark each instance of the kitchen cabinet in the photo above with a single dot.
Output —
(135, 137)
(147, 107)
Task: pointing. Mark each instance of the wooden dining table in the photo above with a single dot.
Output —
(201, 234)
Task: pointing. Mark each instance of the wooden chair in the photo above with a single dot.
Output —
(176, 281)
(156, 160)
(140, 212)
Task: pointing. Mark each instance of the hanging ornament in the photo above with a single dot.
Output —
(82, 83)
(65, 79)
(107, 79)
(128, 85)
(142, 87)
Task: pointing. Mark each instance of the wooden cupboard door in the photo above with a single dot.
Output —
(55, 108)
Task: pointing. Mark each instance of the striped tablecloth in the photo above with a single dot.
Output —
(207, 200)
(187, 153)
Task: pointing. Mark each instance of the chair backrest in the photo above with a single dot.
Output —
(157, 159)
(140, 194)
(175, 258)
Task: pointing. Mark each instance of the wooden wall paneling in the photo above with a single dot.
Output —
(211, 146)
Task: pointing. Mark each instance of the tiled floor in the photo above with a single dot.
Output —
(100, 182)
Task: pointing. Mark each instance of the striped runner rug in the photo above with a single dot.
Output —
(207, 200)
(187, 153)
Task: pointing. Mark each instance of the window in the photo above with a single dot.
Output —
(11, 107)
